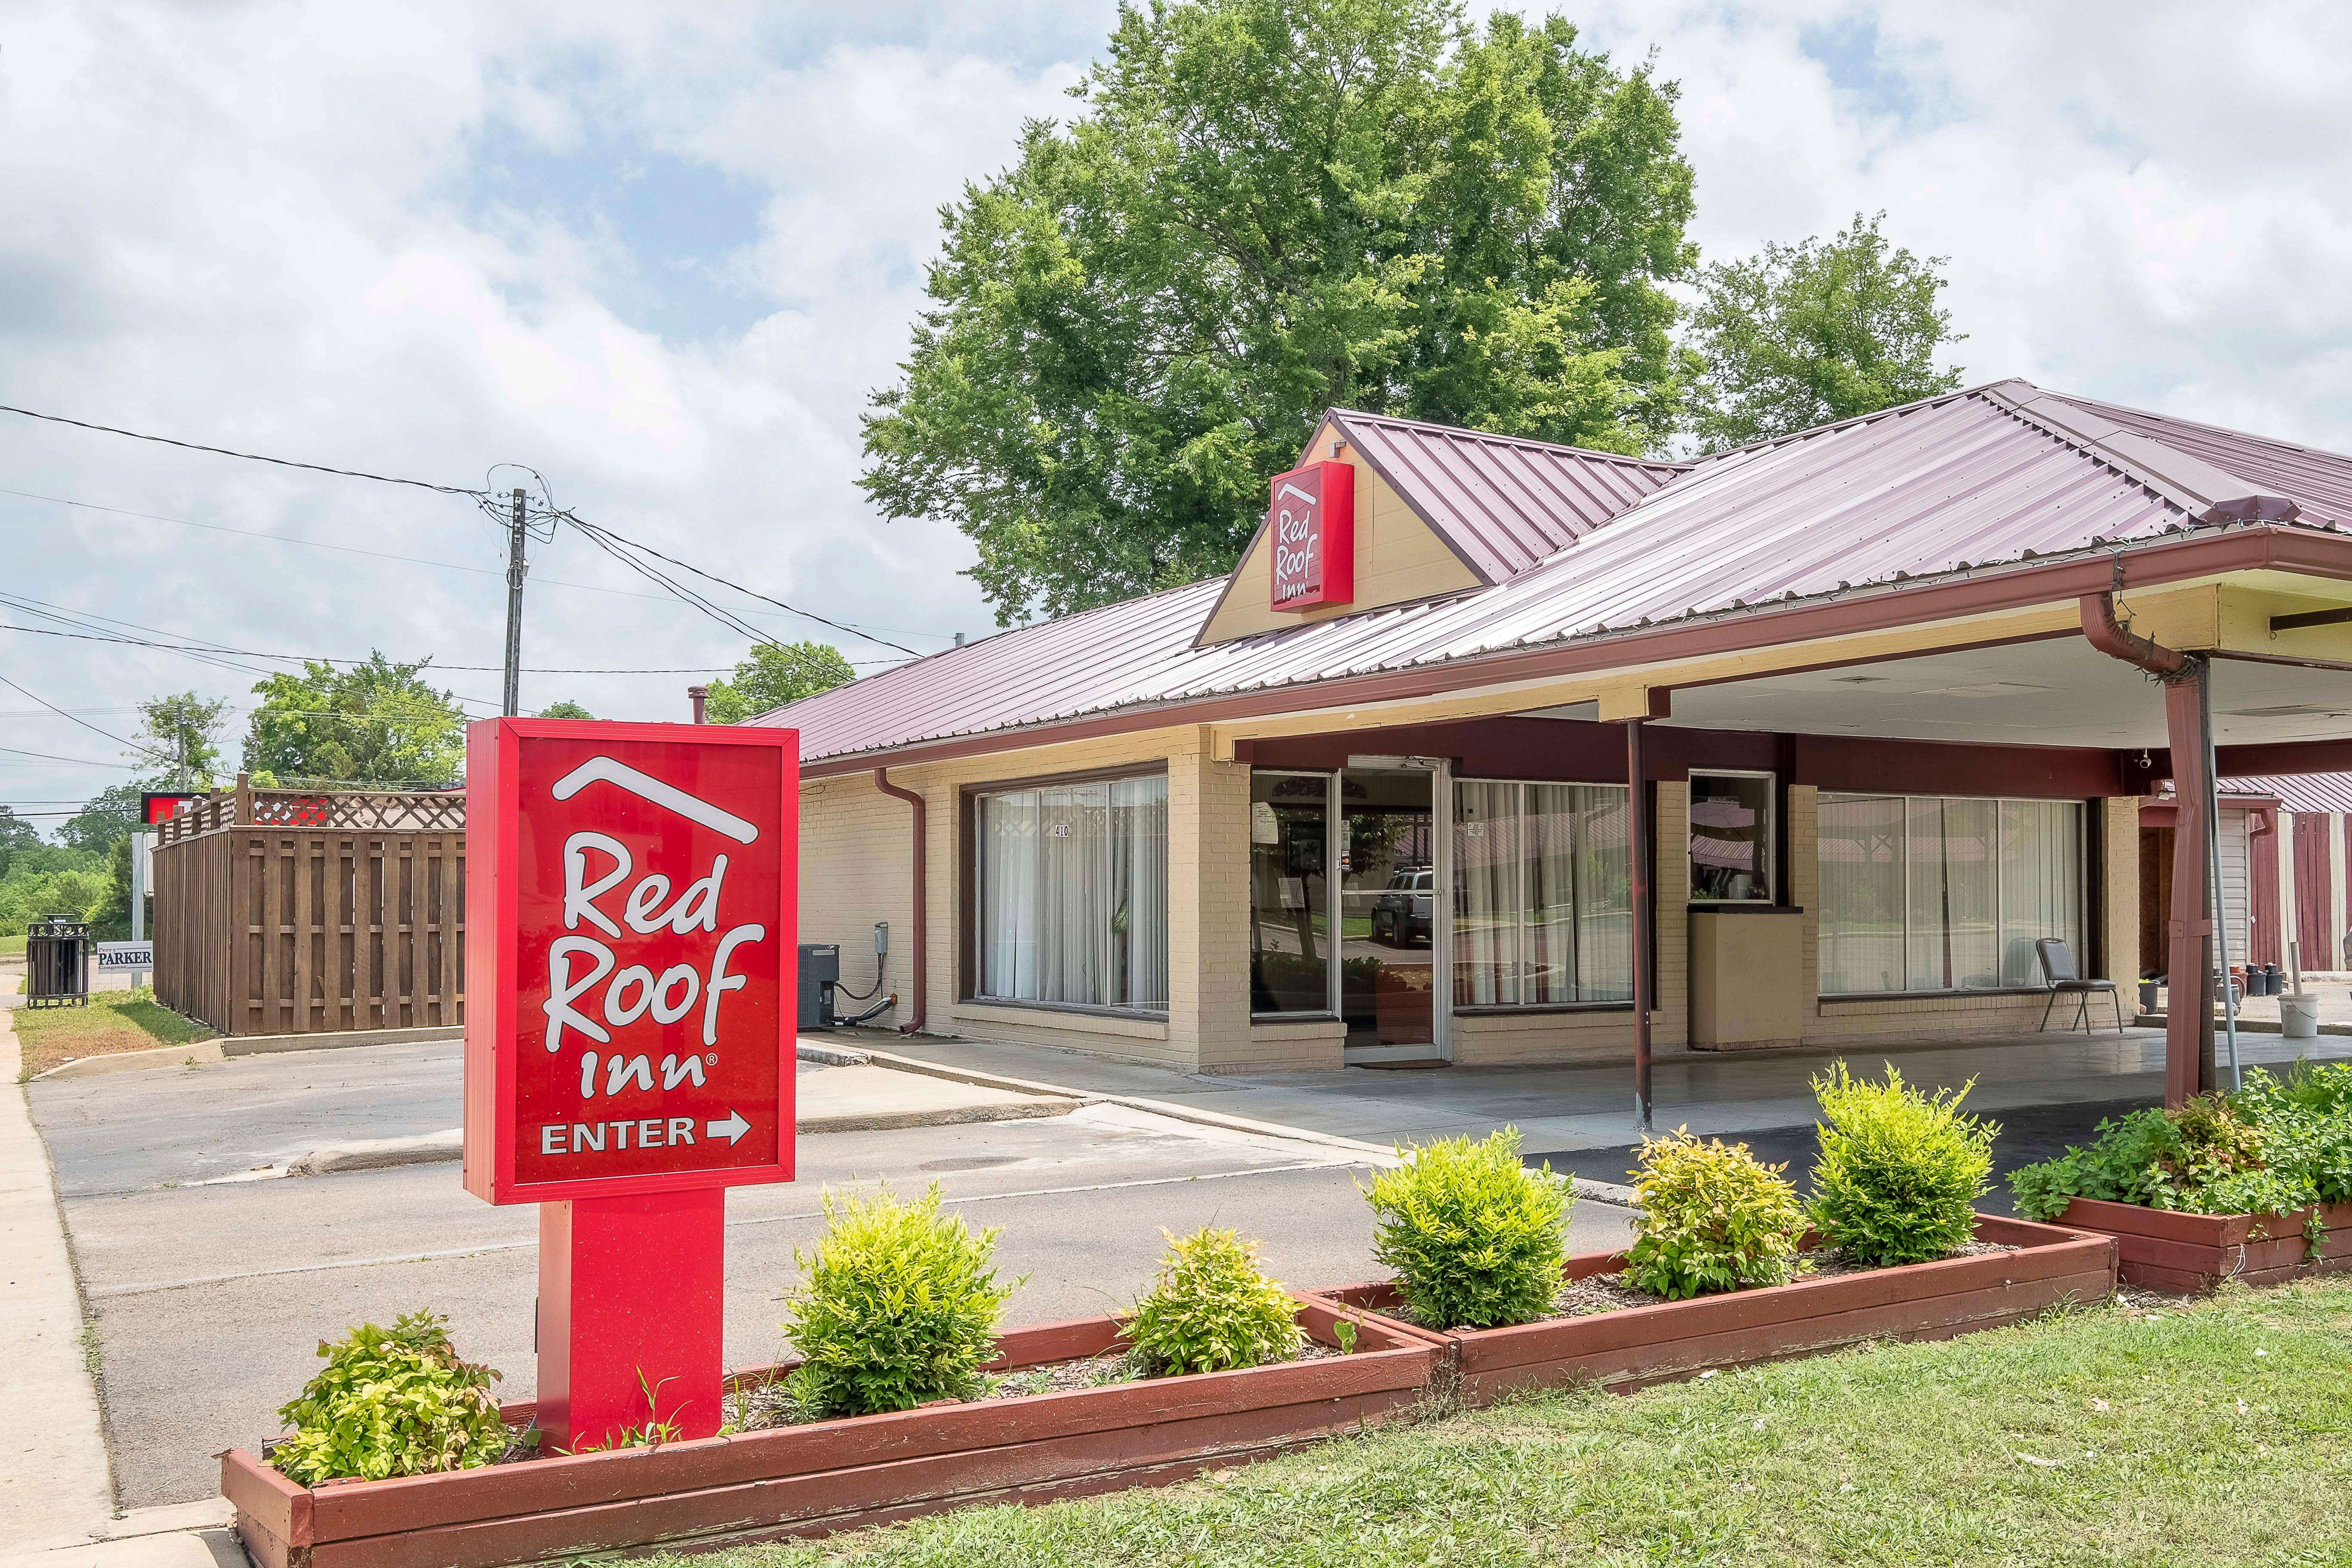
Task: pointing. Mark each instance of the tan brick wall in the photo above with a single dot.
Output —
(2121, 816)
(1208, 890)
(856, 863)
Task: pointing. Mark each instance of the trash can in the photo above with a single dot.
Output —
(56, 963)
(2299, 1018)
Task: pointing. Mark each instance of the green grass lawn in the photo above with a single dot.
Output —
(11, 946)
(115, 1021)
(2219, 1433)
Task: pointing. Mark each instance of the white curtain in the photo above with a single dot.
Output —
(1008, 881)
(1933, 893)
(1074, 894)
(1139, 875)
(1486, 894)
(1542, 895)
(1604, 893)
(1862, 923)
(2040, 883)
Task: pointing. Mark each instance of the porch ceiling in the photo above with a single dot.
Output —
(2055, 692)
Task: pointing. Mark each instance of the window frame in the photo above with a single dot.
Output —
(971, 900)
(1452, 809)
(2080, 863)
(1771, 857)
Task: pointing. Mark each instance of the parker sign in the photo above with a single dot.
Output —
(630, 932)
(1311, 524)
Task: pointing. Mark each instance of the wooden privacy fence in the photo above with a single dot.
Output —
(294, 912)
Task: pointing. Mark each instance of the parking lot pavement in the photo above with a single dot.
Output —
(210, 1298)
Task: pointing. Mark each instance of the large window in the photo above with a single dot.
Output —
(1290, 893)
(1938, 893)
(1072, 893)
(1542, 895)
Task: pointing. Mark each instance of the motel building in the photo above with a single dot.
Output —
(1496, 751)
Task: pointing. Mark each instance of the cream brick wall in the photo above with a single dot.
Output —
(855, 870)
(857, 861)
(1208, 1022)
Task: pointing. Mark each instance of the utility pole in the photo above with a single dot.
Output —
(514, 609)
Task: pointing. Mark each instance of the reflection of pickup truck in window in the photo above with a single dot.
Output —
(1401, 914)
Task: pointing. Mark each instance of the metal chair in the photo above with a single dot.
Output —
(2058, 971)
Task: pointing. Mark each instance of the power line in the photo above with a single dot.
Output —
(53, 757)
(324, 658)
(83, 722)
(249, 457)
(602, 535)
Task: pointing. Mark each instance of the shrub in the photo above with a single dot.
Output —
(1473, 1236)
(1712, 1217)
(897, 1308)
(2275, 1146)
(1212, 1309)
(1899, 1171)
(391, 1402)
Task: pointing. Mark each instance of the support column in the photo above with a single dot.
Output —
(629, 1323)
(1645, 985)
(2188, 1066)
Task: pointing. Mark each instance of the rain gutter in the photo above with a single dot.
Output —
(917, 956)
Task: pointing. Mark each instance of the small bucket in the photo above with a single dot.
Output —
(2299, 1018)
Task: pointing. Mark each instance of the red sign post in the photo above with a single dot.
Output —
(1312, 519)
(630, 932)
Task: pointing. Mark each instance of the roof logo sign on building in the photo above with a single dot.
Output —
(1311, 518)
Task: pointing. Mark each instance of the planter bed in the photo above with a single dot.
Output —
(1634, 1345)
(2167, 1250)
(833, 1475)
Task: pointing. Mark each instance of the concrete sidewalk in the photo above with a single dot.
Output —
(56, 1490)
(1591, 1106)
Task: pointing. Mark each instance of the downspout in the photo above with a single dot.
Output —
(917, 957)
(2196, 877)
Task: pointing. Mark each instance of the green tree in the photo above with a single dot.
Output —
(774, 676)
(17, 836)
(1810, 333)
(1263, 209)
(108, 816)
(180, 734)
(566, 709)
(110, 917)
(378, 725)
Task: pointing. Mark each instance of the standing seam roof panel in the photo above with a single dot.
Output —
(1914, 490)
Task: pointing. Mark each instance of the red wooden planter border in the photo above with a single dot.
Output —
(1636, 1345)
(2195, 1252)
(832, 1475)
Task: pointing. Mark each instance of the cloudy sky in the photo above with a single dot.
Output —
(660, 253)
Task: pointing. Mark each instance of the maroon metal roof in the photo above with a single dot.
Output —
(2321, 481)
(1503, 504)
(1932, 492)
(2319, 793)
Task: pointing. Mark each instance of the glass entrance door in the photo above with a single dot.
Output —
(1392, 909)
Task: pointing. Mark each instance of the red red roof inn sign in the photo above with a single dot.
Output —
(1311, 517)
(630, 922)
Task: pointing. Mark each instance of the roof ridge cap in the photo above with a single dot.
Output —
(2206, 491)
(2080, 400)
(1678, 464)
(1810, 431)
